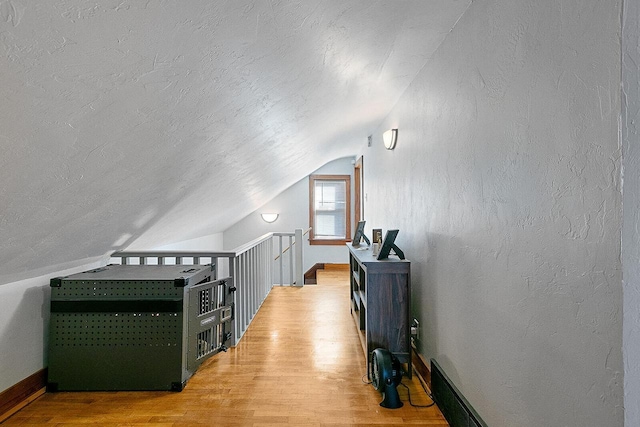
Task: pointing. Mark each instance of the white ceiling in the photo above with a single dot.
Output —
(158, 121)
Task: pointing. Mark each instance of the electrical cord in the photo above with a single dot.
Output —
(418, 406)
(409, 393)
(363, 381)
(422, 384)
(424, 388)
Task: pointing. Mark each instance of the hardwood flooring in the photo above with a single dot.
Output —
(299, 363)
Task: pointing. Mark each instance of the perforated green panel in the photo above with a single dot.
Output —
(116, 290)
(136, 327)
(116, 329)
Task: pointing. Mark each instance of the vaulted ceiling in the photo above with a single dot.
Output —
(158, 121)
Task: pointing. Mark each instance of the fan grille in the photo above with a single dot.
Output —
(375, 374)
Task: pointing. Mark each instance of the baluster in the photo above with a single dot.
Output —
(299, 263)
(290, 261)
(280, 259)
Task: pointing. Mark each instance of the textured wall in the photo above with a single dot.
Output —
(631, 203)
(156, 122)
(505, 184)
(293, 207)
(212, 242)
(24, 325)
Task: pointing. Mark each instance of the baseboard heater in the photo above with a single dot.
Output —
(455, 408)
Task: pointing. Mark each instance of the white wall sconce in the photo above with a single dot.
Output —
(269, 217)
(390, 138)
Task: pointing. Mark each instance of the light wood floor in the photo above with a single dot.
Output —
(300, 363)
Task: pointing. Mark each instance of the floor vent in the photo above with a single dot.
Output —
(451, 402)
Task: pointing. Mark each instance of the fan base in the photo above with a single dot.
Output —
(391, 399)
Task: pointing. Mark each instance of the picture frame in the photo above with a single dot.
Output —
(389, 244)
(377, 236)
(359, 235)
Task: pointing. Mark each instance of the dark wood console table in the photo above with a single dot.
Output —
(380, 295)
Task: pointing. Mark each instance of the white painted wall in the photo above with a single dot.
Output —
(24, 325)
(293, 207)
(505, 184)
(631, 204)
(161, 122)
(212, 242)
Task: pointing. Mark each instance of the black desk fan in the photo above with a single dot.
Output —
(386, 375)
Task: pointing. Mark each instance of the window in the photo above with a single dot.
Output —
(329, 209)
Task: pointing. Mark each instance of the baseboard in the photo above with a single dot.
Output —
(20, 395)
(421, 367)
(336, 267)
(454, 406)
(310, 275)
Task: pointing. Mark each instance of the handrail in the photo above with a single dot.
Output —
(193, 254)
(294, 242)
(243, 248)
(206, 254)
(169, 254)
(250, 268)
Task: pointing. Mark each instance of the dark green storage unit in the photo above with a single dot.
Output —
(136, 327)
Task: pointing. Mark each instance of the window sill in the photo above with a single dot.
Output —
(328, 242)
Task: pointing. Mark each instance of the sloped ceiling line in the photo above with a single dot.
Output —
(188, 114)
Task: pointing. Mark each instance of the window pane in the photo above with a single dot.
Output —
(330, 209)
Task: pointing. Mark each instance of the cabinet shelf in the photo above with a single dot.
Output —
(380, 303)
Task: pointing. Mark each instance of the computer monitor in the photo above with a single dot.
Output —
(359, 235)
(388, 245)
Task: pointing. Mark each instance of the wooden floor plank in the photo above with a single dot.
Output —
(299, 363)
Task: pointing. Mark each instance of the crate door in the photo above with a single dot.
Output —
(209, 316)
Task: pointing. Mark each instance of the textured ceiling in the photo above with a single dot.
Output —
(159, 121)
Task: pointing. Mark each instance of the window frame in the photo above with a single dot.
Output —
(312, 185)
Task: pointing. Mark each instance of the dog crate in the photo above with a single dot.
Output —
(136, 327)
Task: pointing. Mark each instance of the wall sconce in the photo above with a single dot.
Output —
(390, 138)
(269, 217)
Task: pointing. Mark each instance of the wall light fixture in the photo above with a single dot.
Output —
(269, 217)
(390, 138)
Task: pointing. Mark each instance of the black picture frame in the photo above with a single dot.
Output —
(389, 244)
(359, 235)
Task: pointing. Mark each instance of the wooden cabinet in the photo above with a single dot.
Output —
(380, 295)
